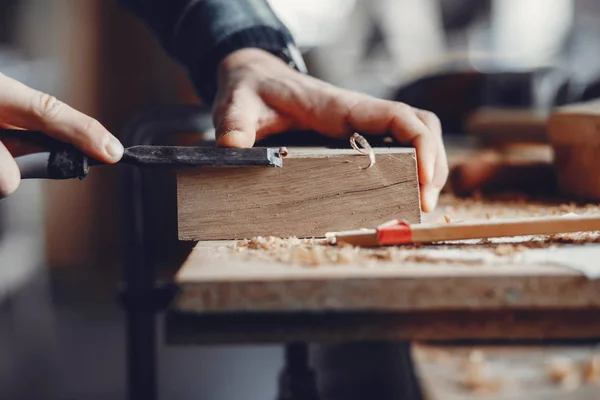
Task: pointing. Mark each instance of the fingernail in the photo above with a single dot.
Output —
(114, 148)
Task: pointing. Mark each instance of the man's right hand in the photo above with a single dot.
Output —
(22, 107)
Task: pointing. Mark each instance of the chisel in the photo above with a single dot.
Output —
(46, 158)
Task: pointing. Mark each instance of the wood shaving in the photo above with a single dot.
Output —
(283, 151)
(508, 249)
(591, 369)
(474, 376)
(564, 372)
(365, 148)
(448, 219)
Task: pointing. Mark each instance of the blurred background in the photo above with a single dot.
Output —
(61, 251)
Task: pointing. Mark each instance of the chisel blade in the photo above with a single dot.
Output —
(198, 156)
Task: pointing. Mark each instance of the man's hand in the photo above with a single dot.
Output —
(22, 107)
(260, 95)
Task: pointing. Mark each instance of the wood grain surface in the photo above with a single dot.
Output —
(315, 192)
(505, 372)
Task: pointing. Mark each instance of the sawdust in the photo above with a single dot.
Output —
(571, 375)
(591, 369)
(563, 372)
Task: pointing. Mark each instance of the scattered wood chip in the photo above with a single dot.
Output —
(508, 249)
(563, 371)
(474, 376)
(448, 219)
(591, 369)
(365, 148)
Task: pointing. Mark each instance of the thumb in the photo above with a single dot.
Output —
(236, 121)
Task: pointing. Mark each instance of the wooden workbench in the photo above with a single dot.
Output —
(517, 288)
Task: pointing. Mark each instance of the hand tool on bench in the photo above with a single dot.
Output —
(398, 232)
(46, 158)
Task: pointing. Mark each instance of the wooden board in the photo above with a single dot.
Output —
(315, 192)
(506, 372)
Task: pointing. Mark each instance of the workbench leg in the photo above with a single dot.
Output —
(138, 299)
(297, 380)
(141, 355)
(365, 370)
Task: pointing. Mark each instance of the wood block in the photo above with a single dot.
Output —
(496, 127)
(316, 191)
(574, 132)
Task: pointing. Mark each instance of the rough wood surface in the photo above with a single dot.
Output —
(507, 372)
(218, 277)
(316, 191)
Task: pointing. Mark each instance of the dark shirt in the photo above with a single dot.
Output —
(200, 33)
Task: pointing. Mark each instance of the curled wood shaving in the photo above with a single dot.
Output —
(366, 148)
(283, 151)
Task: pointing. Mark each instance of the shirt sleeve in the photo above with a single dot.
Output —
(200, 33)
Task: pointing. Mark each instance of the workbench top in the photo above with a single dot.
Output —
(527, 287)
(293, 275)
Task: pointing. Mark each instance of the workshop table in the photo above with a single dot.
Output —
(526, 288)
(455, 291)
(499, 289)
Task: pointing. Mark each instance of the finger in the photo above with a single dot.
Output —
(272, 122)
(376, 116)
(337, 112)
(10, 177)
(236, 119)
(27, 108)
(430, 193)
